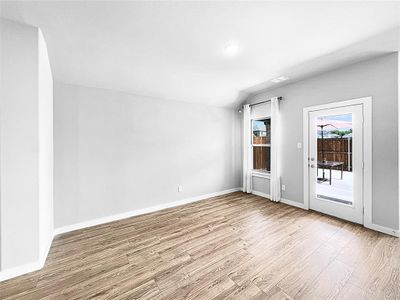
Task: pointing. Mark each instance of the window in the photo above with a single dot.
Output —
(261, 143)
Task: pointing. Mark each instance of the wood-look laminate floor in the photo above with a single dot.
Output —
(236, 246)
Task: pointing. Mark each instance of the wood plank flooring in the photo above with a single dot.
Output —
(236, 246)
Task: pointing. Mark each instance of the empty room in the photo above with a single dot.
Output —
(199, 149)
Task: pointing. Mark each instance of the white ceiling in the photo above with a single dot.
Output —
(175, 50)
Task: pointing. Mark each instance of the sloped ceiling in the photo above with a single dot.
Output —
(176, 50)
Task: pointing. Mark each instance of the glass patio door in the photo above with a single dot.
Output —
(336, 162)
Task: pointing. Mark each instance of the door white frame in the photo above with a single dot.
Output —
(366, 103)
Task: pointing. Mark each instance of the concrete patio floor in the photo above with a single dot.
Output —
(340, 189)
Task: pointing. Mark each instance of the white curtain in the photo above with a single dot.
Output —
(247, 153)
(275, 182)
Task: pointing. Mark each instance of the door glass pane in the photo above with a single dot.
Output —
(334, 165)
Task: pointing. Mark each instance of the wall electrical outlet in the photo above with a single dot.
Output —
(283, 187)
(180, 188)
(299, 145)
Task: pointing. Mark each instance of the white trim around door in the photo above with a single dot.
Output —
(366, 103)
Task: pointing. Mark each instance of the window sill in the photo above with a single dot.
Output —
(261, 174)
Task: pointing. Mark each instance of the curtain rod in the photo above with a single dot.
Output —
(265, 101)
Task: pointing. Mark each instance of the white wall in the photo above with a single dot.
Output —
(377, 78)
(46, 159)
(117, 152)
(261, 185)
(25, 145)
(19, 144)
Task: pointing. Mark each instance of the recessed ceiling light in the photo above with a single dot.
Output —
(283, 78)
(279, 79)
(231, 49)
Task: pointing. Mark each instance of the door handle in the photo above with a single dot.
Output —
(312, 166)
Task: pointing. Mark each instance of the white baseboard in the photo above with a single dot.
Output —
(20, 270)
(371, 226)
(383, 229)
(375, 227)
(37, 265)
(47, 250)
(261, 194)
(34, 266)
(294, 203)
(283, 200)
(138, 212)
(27, 268)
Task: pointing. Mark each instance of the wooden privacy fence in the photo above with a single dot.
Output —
(261, 154)
(336, 149)
(261, 158)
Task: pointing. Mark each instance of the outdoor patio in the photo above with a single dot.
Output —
(340, 189)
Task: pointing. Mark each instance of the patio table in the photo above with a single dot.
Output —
(329, 165)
